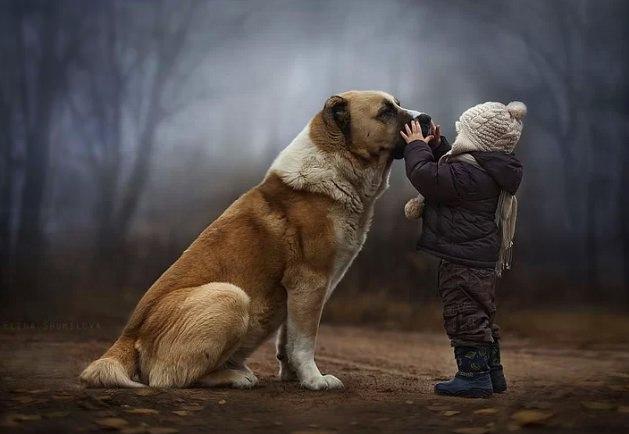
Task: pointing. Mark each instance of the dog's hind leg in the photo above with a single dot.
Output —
(239, 378)
(286, 372)
(198, 331)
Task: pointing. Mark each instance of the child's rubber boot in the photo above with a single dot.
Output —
(498, 380)
(472, 380)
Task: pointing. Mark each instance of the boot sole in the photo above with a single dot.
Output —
(470, 393)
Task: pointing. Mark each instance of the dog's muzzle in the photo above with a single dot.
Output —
(423, 119)
(414, 114)
(424, 123)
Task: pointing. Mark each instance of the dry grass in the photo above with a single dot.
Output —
(584, 326)
(377, 309)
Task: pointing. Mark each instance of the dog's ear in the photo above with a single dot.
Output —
(336, 112)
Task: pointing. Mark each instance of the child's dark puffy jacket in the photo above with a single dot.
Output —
(461, 199)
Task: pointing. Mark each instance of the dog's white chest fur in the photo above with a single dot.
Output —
(304, 167)
(351, 232)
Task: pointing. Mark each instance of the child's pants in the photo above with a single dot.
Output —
(469, 307)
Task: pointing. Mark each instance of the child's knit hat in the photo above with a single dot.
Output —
(491, 126)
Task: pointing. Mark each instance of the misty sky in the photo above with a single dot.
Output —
(249, 76)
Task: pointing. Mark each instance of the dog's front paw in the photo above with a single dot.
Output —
(323, 382)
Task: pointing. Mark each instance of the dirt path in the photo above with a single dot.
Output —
(388, 378)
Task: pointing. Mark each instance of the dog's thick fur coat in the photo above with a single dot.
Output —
(268, 263)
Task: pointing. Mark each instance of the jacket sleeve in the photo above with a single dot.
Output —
(442, 149)
(433, 180)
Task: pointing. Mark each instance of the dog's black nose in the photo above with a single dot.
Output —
(423, 117)
(424, 122)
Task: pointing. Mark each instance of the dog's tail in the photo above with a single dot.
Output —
(115, 368)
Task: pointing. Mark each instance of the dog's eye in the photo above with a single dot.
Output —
(387, 111)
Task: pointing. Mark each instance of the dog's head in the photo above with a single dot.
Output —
(366, 123)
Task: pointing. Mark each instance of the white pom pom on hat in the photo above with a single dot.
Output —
(517, 109)
(414, 207)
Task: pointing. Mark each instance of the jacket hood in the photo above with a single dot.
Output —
(504, 168)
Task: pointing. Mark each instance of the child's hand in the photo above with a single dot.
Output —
(435, 131)
(414, 132)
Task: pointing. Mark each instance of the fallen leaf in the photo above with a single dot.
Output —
(620, 375)
(222, 402)
(486, 411)
(24, 399)
(568, 425)
(88, 405)
(36, 391)
(146, 391)
(592, 383)
(12, 419)
(408, 402)
(27, 417)
(619, 387)
(598, 405)
(181, 412)
(472, 430)
(161, 430)
(143, 411)
(134, 430)
(451, 413)
(531, 417)
(56, 414)
(104, 413)
(314, 432)
(192, 407)
(541, 405)
(623, 409)
(19, 391)
(7, 422)
(113, 423)
(437, 407)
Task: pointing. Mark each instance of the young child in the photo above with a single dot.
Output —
(469, 222)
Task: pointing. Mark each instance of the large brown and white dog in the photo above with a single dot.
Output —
(268, 263)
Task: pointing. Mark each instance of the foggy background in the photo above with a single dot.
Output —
(128, 126)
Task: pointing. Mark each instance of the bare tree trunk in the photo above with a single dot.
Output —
(168, 52)
(7, 157)
(624, 219)
(29, 245)
(6, 196)
(41, 76)
(117, 63)
(109, 171)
